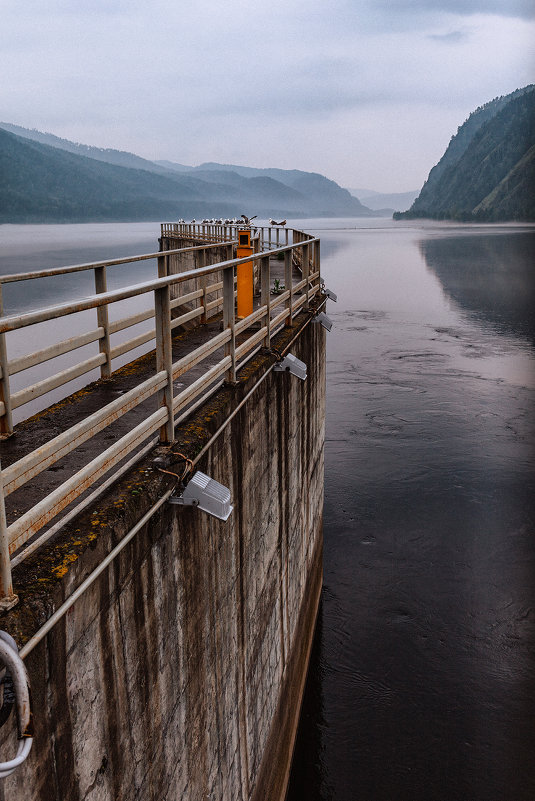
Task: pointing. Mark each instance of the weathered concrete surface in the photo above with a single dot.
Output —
(178, 674)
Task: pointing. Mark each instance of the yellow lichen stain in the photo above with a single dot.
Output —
(60, 570)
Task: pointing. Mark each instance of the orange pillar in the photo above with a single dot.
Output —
(244, 275)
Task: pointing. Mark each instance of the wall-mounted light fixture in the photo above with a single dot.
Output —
(291, 364)
(323, 320)
(207, 494)
(328, 292)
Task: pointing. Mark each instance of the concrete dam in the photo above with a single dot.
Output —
(166, 647)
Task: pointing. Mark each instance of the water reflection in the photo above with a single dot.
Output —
(492, 277)
(422, 685)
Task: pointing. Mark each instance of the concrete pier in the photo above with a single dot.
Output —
(179, 673)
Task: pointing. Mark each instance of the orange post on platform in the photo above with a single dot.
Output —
(244, 275)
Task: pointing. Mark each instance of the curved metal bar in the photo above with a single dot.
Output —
(11, 659)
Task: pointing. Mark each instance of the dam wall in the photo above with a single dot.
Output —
(178, 674)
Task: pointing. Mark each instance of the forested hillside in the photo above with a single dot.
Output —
(48, 179)
(487, 172)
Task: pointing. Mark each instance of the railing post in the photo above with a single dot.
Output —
(256, 264)
(201, 257)
(306, 273)
(103, 322)
(6, 420)
(229, 320)
(317, 267)
(163, 264)
(265, 297)
(289, 285)
(8, 599)
(164, 357)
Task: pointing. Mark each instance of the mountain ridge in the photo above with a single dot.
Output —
(484, 173)
(49, 179)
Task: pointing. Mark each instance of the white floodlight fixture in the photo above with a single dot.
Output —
(293, 365)
(207, 494)
(325, 321)
(330, 294)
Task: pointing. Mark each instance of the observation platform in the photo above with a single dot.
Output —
(167, 649)
(60, 459)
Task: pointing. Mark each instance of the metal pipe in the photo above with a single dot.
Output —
(6, 420)
(10, 657)
(60, 612)
(8, 599)
(103, 322)
(164, 359)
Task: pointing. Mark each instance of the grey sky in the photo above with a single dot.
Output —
(367, 92)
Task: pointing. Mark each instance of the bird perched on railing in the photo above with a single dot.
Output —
(274, 222)
(248, 220)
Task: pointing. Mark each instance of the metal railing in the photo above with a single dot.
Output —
(263, 237)
(235, 343)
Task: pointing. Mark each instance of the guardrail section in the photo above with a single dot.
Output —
(213, 293)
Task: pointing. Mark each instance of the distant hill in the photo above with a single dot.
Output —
(45, 184)
(48, 179)
(487, 171)
(120, 157)
(378, 201)
(323, 196)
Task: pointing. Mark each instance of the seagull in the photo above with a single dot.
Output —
(274, 222)
(248, 220)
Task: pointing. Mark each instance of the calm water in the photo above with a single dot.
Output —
(422, 682)
(26, 248)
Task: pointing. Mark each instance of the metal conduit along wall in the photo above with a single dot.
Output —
(271, 315)
(179, 672)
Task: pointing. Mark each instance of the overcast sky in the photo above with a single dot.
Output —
(367, 92)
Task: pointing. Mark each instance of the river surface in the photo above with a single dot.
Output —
(422, 680)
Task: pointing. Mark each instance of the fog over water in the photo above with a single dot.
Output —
(422, 678)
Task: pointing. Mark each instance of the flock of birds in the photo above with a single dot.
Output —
(235, 221)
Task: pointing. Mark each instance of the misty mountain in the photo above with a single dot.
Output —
(120, 157)
(316, 194)
(487, 173)
(378, 201)
(48, 179)
(45, 184)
